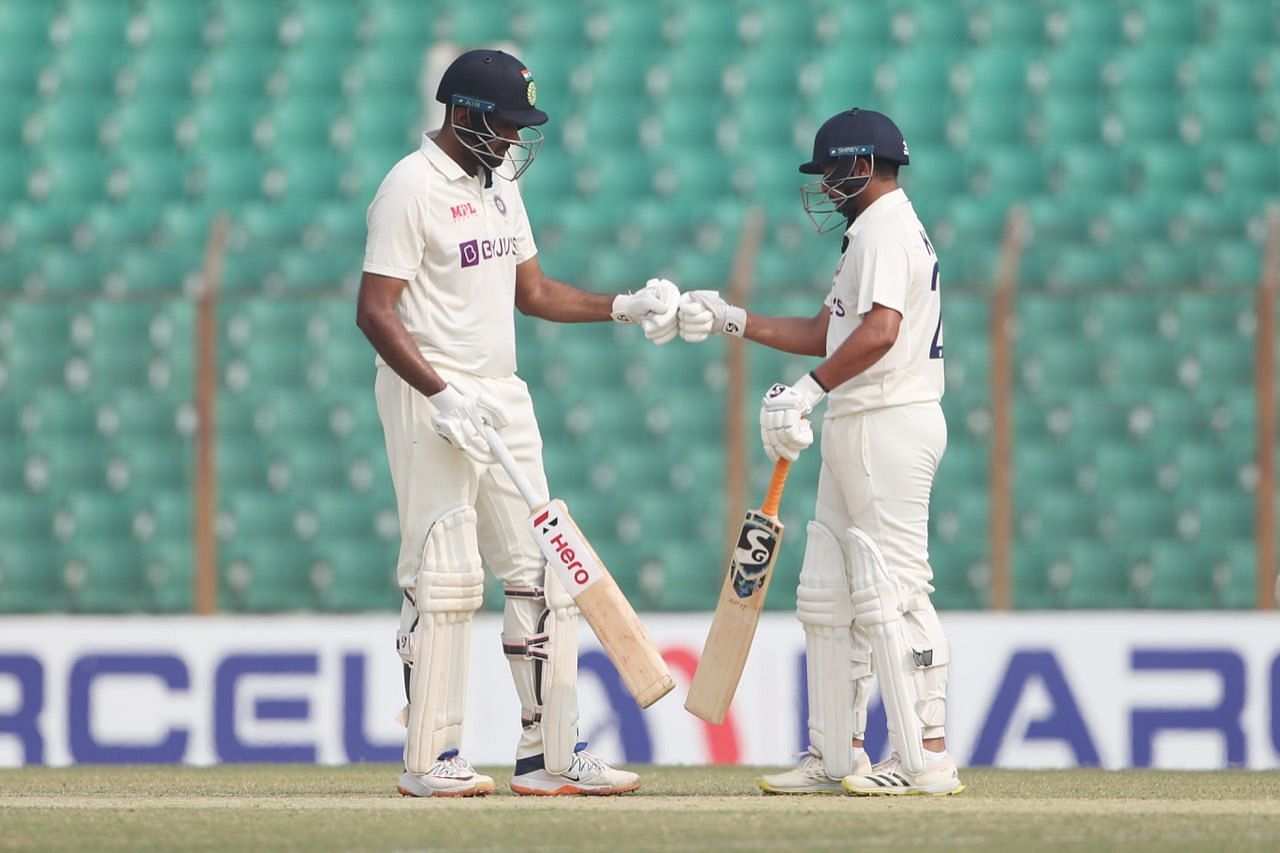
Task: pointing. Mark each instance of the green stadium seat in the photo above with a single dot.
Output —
(997, 24)
(1085, 23)
(1073, 72)
(984, 121)
(1181, 578)
(160, 23)
(1038, 466)
(355, 574)
(1056, 365)
(1236, 263)
(54, 411)
(1219, 515)
(1056, 516)
(1137, 517)
(1101, 575)
(1248, 168)
(827, 81)
(1135, 119)
(1034, 564)
(29, 580)
(168, 578)
(1209, 116)
(1235, 575)
(1204, 315)
(393, 24)
(1201, 467)
(1236, 24)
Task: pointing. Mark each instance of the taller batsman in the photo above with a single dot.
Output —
(449, 255)
(865, 582)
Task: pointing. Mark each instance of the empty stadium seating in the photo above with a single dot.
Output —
(1138, 136)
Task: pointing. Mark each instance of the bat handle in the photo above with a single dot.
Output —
(774, 496)
(508, 463)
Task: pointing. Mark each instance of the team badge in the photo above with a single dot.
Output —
(532, 93)
(500, 204)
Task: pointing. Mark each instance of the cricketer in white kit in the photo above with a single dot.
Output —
(449, 255)
(864, 586)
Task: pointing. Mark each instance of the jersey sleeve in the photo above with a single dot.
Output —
(881, 271)
(397, 237)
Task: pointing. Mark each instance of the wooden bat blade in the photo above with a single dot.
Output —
(600, 601)
(724, 655)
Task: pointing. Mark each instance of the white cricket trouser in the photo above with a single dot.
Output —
(431, 476)
(877, 472)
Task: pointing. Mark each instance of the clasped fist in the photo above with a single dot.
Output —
(460, 420)
(655, 307)
(784, 423)
(704, 313)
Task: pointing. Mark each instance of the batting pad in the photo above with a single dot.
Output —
(877, 609)
(449, 590)
(826, 611)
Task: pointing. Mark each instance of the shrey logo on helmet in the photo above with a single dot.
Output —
(837, 146)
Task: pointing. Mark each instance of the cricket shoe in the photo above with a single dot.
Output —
(809, 776)
(451, 776)
(889, 778)
(585, 774)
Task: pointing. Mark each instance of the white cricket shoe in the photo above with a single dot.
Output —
(451, 776)
(939, 779)
(809, 776)
(585, 774)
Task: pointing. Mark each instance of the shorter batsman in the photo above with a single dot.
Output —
(864, 586)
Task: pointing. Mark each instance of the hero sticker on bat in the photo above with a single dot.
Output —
(757, 543)
(564, 546)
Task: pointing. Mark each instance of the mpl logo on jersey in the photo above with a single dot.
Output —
(473, 252)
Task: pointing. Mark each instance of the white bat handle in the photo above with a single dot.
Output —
(508, 463)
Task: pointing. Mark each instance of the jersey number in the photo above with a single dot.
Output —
(935, 349)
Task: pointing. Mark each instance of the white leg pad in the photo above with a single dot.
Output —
(449, 590)
(863, 680)
(931, 654)
(826, 611)
(540, 640)
(877, 608)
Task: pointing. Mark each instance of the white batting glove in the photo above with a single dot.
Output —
(784, 425)
(460, 420)
(655, 307)
(704, 313)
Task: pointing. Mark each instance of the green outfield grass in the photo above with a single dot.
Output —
(356, 808)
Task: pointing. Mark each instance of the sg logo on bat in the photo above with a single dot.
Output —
(754, 555)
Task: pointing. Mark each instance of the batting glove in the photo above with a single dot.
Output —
(461, 420)
(655, 307)
(784, 422)
(704, 313)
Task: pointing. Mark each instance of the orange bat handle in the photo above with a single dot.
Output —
(774, 496)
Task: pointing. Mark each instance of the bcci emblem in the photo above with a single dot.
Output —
(532, 92)
(500, 204)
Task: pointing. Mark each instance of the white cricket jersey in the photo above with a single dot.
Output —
(889, 260)
(457, 244)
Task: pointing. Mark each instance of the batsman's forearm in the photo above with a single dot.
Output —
(393, 342)
(563, 303)
(859, 351)
(798, 335)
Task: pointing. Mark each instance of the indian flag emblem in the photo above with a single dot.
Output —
(526, 74)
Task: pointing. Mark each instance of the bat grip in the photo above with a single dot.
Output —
(508, 463)
(774, 496)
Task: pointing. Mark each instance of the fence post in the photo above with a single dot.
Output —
(205, 497)
(1000, 461)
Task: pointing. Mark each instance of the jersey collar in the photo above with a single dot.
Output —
(443, 162)
(887, 202)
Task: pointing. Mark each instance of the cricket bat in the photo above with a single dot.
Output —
(594, 590)
(738, 612)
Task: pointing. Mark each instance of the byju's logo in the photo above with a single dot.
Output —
(470, 252)
(473, 252)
